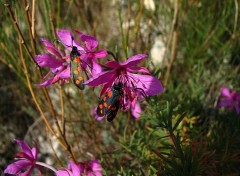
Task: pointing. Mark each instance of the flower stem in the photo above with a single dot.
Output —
(26, 3)
(173, 34)
(8, 6)
(46, 165)
(20, 33)
(34, 97)
(113, 55)
(62, 110)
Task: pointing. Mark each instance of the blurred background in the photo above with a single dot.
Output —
(193, 48)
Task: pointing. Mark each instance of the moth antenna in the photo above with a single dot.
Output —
(57, 40)
(72, 40)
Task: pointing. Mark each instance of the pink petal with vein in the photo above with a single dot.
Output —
(150, 84)
(134, 60)
(46, 60)
(90, 42)
(101, 78)
(50, 47)
(67, 39)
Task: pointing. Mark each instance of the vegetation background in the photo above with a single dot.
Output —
(194, 49)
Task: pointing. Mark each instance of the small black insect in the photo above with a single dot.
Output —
(76, 68)
(110, 103)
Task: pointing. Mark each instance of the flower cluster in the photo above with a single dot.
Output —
(137, 81)
(136, 86)
(122, 83)
(92, 168)
(27, 161)
(58, 61)
(229, 99)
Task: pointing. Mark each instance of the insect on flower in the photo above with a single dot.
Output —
(76, 68)
(110, 103)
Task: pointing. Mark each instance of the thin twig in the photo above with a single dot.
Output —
(54, 151)
(34, 97)
(113, 55)
(29, 26)
(62, 110)
(51, 23)
(236, 17)
(66, 146)
(32, 59)
(77, 139)
(21, 35)
(174, 43)
(124, 43)
(33, 19)
(22, 42)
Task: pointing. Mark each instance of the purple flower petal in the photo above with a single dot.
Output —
(150, 84)
(100, 54)
(136, 109)
(65, 172)
(17, 166)
(106, 87)
(96, 116)
(138, 69)
(87, 57)
(96, 68)
(46, 60)
(25, 148)
(50, 47)
(224, 103)
(75, 169)
(79, 33)
(90, 42)
(101, 78)
(237, 108)
(225, 92)
(27, 172)
(237, 97)
(95, 167)
(34, 152)
(134, 60)
(67, 39)
(65, 74)
(113, 64)
(47, 82)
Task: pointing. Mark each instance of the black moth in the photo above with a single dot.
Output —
(110, 103)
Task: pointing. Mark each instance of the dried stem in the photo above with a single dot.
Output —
(21, 36)
(51, 23)
(66, 146)
(34, 97)
(54, 151)
(33, 19)
(174, 42)
(62, 110)
(236, 17)
(113, 55)
(77, 139)
(32, 59)
(29, 26)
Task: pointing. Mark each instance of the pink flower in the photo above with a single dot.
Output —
(87, 52)
(135, 85)
(229, 99)
(59, 67)
(73, 170)
(25, 162)
(93, 168)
